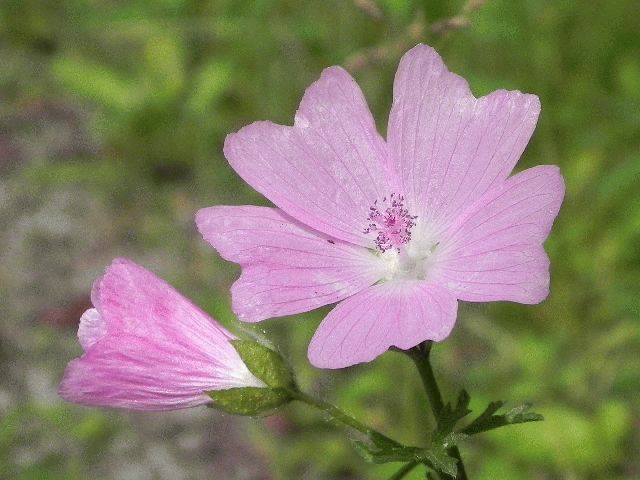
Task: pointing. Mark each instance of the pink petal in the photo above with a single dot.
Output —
(399, 313)
(287, 268)
(127, 371)
(326, 170)
(91, 329)
(494, 251)
(132, 299)
(451, 147)
(149, 348)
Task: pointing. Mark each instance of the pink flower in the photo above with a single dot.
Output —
(397, 231)
(146, 347)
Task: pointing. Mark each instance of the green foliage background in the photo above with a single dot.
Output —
(148, 90)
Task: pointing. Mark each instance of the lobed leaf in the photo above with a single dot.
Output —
(449, 415)
(489, 421)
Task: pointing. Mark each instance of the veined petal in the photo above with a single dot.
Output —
(399, 313)
(326, 170)
(149, 348)
(287, 268)
(450, 147)
(135, 301)
(494, 251)
(127, 371)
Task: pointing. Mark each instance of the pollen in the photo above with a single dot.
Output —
(391, 222)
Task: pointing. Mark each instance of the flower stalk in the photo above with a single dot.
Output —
(334, 412)
(420, 355)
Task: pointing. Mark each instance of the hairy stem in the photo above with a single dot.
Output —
(420, 356)
(335, 413)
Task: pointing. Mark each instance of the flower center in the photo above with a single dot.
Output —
(391, 222)
(415, 262)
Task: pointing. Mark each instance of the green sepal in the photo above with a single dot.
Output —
(249, 401)
(265, 364)
(488, 421)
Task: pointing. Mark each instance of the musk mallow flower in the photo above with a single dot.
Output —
(146, 347)
(396, 230)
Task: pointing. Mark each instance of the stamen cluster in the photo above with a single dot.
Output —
(392, 222)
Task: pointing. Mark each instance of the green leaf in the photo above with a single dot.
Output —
(364, 451)
(449, 416)
(266, 364)
(453, 439)
(439, 460)
(436, 457)
(489, 421)
(383, 441)
(381, 449)
(249, 401)
(521, 414)
(374, 454)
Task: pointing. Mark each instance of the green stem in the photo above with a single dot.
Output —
(404, 471)
(334, 412)
(420, 356)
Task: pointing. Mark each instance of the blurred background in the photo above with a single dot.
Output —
(112, 119)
